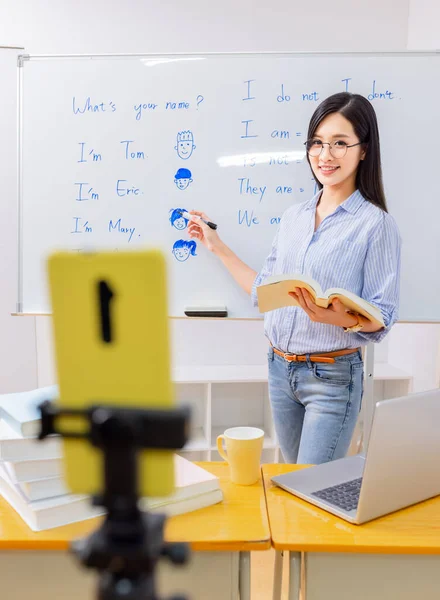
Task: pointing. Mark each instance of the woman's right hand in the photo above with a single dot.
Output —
(240, 271)
(203, 233)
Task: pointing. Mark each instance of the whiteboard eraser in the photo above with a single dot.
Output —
(206, 311)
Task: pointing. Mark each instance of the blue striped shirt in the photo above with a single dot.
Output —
(357, 247)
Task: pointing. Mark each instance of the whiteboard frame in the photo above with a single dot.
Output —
(401, 53)
(23, 58)
(20, 181)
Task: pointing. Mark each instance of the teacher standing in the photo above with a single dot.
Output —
(342, 237)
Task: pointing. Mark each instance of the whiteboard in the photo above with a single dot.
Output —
(111, 145)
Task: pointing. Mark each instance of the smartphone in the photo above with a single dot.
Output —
(110, 324)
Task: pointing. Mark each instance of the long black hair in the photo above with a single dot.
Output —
(359, 111)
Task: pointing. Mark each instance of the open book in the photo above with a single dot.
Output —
(274, 293)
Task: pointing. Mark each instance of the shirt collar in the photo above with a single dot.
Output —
(311, 204)
(351, 205)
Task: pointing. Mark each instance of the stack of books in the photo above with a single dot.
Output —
(31, 471)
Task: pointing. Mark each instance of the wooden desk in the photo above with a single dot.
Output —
(222, 536)
(396, 557)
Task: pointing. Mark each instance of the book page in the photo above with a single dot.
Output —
(353, 302)
(297, 280)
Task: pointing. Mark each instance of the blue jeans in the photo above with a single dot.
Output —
(315, 406)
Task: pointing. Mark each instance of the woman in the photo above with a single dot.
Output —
(343, 237)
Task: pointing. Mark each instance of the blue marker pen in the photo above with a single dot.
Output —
(189, 216)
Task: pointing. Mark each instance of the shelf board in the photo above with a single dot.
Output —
(259, 373)
(386, 372)
(268, 442)
(196, 442)
(220, 374)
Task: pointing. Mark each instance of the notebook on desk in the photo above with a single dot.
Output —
(400, 468)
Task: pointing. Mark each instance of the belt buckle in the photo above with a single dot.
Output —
(289, 357)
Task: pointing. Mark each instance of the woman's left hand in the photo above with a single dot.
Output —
(335, 314)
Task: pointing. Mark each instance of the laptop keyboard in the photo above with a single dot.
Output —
(345, 495)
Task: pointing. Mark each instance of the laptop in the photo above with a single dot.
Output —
(401, 466)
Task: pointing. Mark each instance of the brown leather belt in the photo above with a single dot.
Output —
(324, 357)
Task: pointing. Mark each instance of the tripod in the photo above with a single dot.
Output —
(127, 546)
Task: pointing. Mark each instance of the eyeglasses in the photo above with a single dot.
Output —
(337, 149)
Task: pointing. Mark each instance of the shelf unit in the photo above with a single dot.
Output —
(391, 382)
(222, 397)
(229, 396)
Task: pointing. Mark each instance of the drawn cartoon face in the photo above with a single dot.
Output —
(182, 178)
(183, 183)
(185, 144)
(179, 223)
(183, 248)
(181, 254)
(177, 220)
(185, 149)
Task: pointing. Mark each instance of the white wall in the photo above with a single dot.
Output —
(423, 25)
(51, 27)
(82, 26)
(415, 349)
(17, 335)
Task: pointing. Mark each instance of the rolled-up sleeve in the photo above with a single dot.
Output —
(382, 275)
(267, 270)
